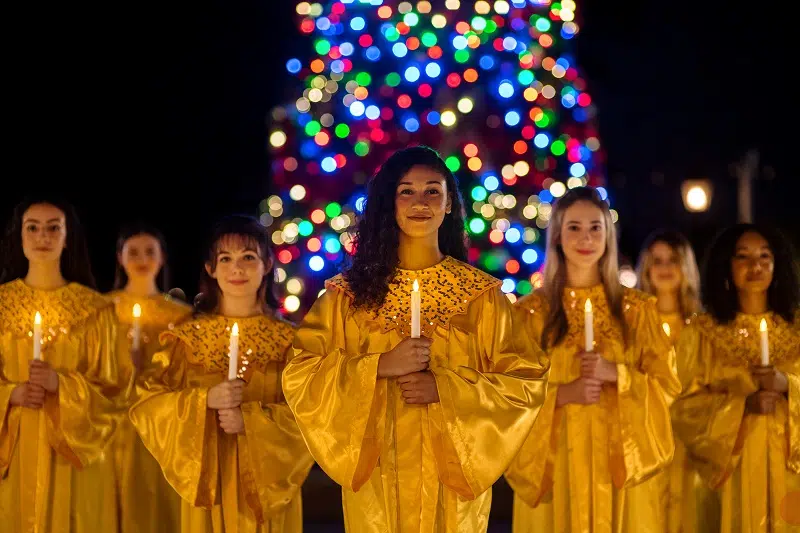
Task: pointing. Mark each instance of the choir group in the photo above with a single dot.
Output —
(413, 382)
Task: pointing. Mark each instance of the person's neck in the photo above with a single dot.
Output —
(753, 303)
(668, 303)
(45, 276)
(239, 307)
(580, 277)
(419, 253)
(141, 288)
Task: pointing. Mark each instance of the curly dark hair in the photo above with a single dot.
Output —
(75, 264)
(132, 230)
(255, 234)
(375, 261)
(719, 294)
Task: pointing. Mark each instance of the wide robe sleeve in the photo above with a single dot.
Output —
(81, 418)
(176, 426)
(337, 399)
(9, 424)
(484, 414)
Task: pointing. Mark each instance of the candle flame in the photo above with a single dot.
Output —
(666, 329)
(37, 319)
(588, 307)
(137, 310)
(763, 325)
(235, 329)
(416, 286)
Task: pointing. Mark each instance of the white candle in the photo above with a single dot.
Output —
(764, 342)
(137, 326)
(588, 325)
(416, 304)
(37, 336)
(233, 353)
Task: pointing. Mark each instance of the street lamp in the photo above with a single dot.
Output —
(697, 195)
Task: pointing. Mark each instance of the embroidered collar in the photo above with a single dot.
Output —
(740, 340)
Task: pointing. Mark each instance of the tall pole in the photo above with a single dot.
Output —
(745, 171)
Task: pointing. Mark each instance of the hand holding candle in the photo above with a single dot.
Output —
(137, 327)
(588, 324)
(233, 353)
(37, 337)
(416, 305)
(764, 342)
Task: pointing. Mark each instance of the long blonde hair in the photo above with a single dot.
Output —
(689, 298)
(555, 266)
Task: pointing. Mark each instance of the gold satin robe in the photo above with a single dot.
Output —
(415, 468)
(691, 506)
(55, 475)
(147, 503)
(589, 468)
(752, 460)
(245, 483)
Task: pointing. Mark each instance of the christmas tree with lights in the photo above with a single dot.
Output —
(491, 85)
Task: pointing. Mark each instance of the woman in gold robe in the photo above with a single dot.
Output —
(737, 415)
(415, 426)
(668, 270)
(55, 416)
(604, 429)
(230, 448)
(146, 500)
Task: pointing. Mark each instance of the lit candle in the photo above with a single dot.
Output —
(764, 342)
(137, 326)
(37, 336)
(416, 304)
(233, 353)
(666, 329)
(588, 325)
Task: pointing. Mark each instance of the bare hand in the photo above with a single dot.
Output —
(594, 366)
(137, 358)
(411, 355)
(770, 379)
(583, 391)
(231, 420)
(27, 395)
(42, 374)
(419, 388)
(762, 402)
(226, 395)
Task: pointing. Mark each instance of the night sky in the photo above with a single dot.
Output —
(157, 110)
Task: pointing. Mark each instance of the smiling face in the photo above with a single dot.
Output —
(665, 270)
(421, 202)
(752, 264)
(238, 269)
(44, 233)
(141, 257)
(583, 234)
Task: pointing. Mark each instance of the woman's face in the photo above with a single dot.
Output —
(44, 233)
(421, 202)
(583, 234)
(141, 257)
(239, 269)
(665, 270)
(752, 264)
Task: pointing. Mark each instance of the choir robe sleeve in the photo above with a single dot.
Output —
(337, 399)
(708, 416)
(176, 426)
(273, 458)
(81, 417)
(646, 385)
(9, 424)
(793, 375)
(484, 414)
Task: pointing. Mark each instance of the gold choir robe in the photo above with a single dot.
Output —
(54, 473)
(147, 503)
(588, 468)
(245, 483)
(752, 460)
(691, 506)
(416, 468)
